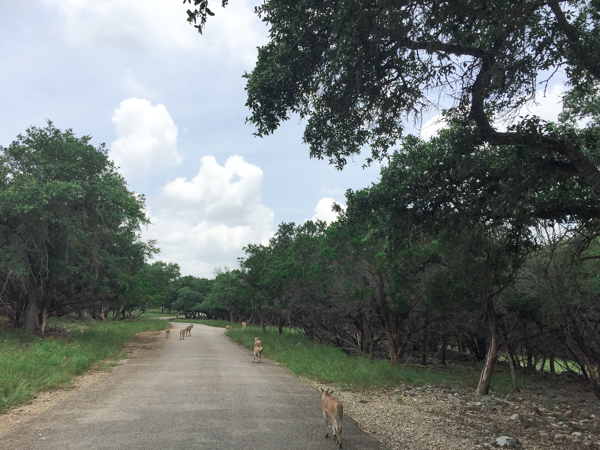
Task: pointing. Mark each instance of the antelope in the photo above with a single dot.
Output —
(243, 325)
(182, 334)
(228, 327)
(257, 353)
(257, 342)
(332, 409)
(167, 333)
(189, 330)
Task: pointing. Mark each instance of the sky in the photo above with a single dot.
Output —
(170, 106)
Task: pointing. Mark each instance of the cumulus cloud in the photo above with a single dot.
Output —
(148, 25)
(205, 222)
(324, 211)
(146, 138)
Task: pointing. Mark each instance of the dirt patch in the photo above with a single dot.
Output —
(43, 401)
(545, 416)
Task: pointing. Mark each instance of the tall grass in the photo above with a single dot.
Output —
(330, 365)
(29, 364)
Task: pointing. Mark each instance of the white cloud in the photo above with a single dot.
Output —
(146, 138)
(160, 24)
(548, 106)
(204, 222)
(324, 212)
(432, 127)
(137, 88)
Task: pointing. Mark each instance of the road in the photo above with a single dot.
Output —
(199, 393)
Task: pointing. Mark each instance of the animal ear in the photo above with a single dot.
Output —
(330, 391)
(322, 390)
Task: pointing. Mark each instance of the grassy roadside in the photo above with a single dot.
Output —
(330, 365)
(29, 364)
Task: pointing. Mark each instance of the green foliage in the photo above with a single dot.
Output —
(154, 283)
(29, 364)
(229, 292)
(67, 224)
(328, 364)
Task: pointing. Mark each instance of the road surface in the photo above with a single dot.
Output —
(199, 393)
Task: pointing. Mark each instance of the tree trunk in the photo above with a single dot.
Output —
(31, 316)
(280, 325)
(492, 355)
(424, 348)
(392, 344)
(43, 316)
(443, 353)
(511, 362)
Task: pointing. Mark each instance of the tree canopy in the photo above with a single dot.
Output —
(69, 227)
(357, 70)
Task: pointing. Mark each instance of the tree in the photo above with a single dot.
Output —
(191, 294)
(229, 292)
(153, 285)
(68, 225)
(355, 70)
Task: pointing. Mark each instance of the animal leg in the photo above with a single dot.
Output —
(326, 424)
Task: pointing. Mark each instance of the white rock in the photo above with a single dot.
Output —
(506, 441)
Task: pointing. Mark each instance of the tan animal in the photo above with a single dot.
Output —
(182, 334)
(257, 353)
(167, 333)
(257, 342)
(188, 330)
(228, 328)
(332, 409)
(243, 325)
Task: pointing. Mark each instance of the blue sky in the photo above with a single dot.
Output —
(169, 104)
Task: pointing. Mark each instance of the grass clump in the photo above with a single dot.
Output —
(29, 364)
(330, 365)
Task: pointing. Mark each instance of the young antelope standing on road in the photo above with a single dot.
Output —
(332, 409)
(257, 353)
(182, 334)
(167, 333)
(188, 330)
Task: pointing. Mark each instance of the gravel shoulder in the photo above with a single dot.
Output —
(545, 416)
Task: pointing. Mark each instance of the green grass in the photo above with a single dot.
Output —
(156, 314)
(29, 364)
(330, 365)
(210, 323)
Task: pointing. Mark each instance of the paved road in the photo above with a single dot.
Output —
(200, 393)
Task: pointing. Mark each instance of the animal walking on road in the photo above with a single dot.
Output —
(167, 333)
(332, 409)
(257, 353)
